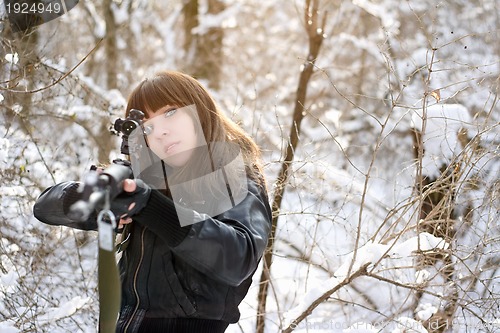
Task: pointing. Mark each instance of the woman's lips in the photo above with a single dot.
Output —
(170, 147)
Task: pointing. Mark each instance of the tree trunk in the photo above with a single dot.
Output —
(110, 46)
(190, 13)
(315, 33)
(437, 217)
(203, 49)
(24, 45)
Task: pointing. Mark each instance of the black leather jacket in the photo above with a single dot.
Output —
(200, 271)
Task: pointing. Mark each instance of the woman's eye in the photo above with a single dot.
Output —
(170, 113)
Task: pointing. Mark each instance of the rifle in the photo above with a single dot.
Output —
(99, 189)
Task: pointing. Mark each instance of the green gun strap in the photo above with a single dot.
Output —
(109, 278)
(109, 291)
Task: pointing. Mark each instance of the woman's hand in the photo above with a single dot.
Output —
(129, 185)
(131, 201)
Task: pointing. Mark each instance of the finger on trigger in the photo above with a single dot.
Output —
(129, 185)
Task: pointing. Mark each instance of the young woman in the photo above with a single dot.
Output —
(193, 244)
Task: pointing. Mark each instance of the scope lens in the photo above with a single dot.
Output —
(129, 126)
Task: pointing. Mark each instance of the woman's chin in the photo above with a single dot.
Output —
(178, 159)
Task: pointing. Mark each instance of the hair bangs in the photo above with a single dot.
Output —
(151, 95)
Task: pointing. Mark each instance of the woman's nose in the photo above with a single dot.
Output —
(161, 132)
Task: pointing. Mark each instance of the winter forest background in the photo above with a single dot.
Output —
(379, 126)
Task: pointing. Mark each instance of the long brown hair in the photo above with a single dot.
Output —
(179, 89)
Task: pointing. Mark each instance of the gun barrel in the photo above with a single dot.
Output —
(109, 181)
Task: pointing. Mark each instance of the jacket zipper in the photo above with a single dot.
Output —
(136, 273)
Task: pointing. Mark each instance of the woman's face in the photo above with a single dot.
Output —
(171, 135)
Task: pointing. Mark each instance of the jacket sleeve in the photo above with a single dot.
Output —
(227, 247)
(52, 207)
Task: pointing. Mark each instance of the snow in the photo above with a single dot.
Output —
(421, 276)
(6, 327)
(4, 151)
(362, 43)
(441, 124)
(13, 191)
(408, 325)
(60, 65)
(425, 311)
(341, 193)
(385, 15)
(361, 327)
(224, 19)
(99, 23)
(424, 242)
(8, 282)
(400, 325)
(64, 310)
(13, 58)
(120, 13)
(368, 253)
